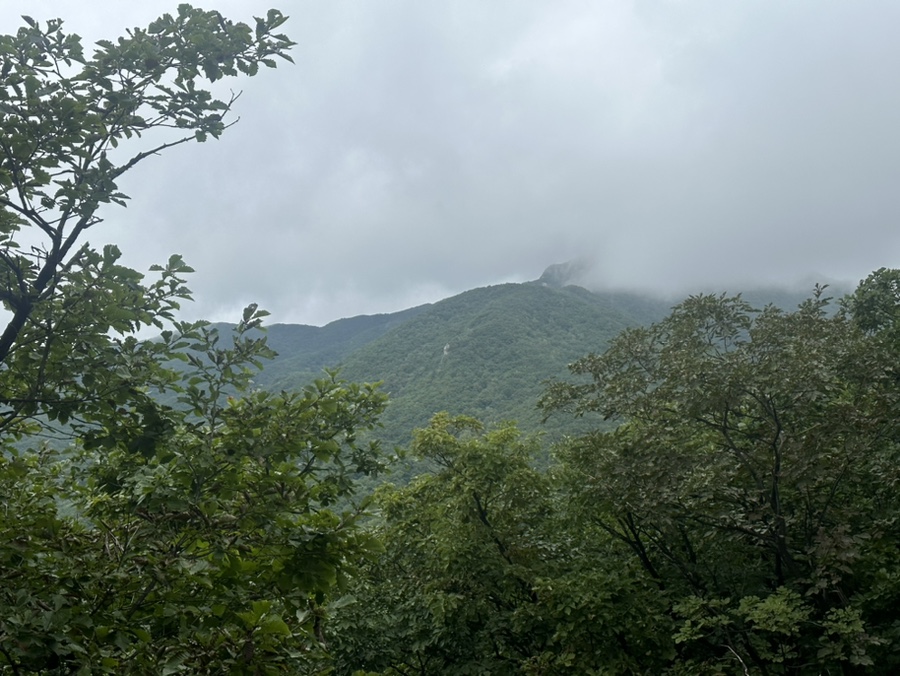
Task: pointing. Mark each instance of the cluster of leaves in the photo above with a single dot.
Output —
(461, 546)
(482, 574)
(202, 539)
(753, 478)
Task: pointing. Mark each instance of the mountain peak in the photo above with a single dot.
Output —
(573, 272)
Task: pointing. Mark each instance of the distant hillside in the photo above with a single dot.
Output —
(303, 351)
(485, 352)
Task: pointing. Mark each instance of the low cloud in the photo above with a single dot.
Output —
(418, 150)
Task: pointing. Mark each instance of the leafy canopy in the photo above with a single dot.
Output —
(200, 536)
(752, 478)
(64, 121)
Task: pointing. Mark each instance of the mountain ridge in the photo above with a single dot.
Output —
(486, 352)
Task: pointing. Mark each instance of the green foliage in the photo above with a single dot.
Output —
(874, 304)
(481, 574)
(200, 536)
(66, 121)
(197, 539)
(452, 594)
(752, 479)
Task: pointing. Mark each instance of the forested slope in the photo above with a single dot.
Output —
(487, 352)
(303, 351)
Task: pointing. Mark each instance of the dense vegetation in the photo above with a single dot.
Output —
(502, 343)
(742, 518)
(302, 352)
(197, 537)
(728, 503)
(487, 352)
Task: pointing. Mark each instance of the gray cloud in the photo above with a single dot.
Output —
(420, 149)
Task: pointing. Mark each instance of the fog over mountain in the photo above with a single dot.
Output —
(416, 150)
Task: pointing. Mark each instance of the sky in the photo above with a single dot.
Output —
(419, 149)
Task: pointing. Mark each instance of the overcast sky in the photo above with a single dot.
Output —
(418, 149)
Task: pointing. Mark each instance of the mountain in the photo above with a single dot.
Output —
(486, 352)
(303, 351)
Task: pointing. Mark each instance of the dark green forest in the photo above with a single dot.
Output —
(600, 483)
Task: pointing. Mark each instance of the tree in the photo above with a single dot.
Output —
(451, 594)
(483, 573)
(66, 123)
(203, 538)
(202, 532)
(752, 478)
(875, 302)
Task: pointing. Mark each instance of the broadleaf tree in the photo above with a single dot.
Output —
(752, 478)
(484, 573)
(68, 126)
(193, 524)
(454, 592)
